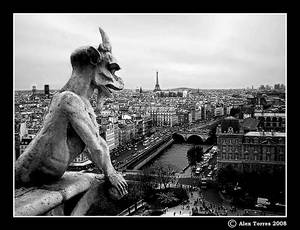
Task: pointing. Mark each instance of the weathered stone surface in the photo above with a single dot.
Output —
(98, 201)
(39, 200)
(72, 183)
(99, 191)
(96, 192)
(57, 211)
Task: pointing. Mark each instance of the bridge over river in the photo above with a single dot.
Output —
(194, 135)
(200, 136)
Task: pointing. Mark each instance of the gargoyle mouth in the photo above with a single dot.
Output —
(116, 84)
(107, 88)
(113, 87)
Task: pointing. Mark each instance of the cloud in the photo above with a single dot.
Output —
(194, 50)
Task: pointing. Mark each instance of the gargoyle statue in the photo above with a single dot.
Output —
(70, 125)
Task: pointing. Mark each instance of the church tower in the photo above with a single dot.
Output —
(157, 88)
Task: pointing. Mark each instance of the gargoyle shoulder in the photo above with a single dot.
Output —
(71, 102)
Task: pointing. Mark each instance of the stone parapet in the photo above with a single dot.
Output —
(35, 201)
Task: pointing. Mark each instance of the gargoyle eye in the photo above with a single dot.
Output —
(113, 66)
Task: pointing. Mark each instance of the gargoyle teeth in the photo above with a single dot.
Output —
(108, 89)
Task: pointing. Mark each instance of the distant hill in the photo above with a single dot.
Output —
(180, 89)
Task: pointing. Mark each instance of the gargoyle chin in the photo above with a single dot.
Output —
(102, 93)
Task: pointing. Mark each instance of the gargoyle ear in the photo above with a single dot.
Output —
(94, 55)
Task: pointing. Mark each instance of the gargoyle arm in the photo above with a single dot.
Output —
(74, 108)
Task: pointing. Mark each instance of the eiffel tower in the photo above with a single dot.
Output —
(157, 88)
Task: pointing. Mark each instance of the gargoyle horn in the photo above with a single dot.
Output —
(105, 46)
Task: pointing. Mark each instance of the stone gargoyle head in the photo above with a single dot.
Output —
(105, 65)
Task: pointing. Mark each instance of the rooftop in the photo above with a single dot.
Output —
(250, 123)
(230, 122)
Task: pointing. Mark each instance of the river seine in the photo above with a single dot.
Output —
(174, 155)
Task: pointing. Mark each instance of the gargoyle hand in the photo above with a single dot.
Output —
(118, 182)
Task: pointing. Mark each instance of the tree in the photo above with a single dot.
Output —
(148, 181)
(212, 137)
(167, 198)
(195, 154)
(227, 177)
(265, 184)
(235, 111)
(135, 193)
(164, 173)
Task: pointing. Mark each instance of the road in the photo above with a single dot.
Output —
(209, 167)
(124, 154)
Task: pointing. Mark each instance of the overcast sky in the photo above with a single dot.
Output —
(192, 50)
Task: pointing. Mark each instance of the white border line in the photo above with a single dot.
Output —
(286, 114)
(147, 14)
(14, 149)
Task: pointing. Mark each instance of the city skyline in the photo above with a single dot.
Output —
(40, 88)
(194, 51)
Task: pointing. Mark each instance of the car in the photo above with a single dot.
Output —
(260, 206)
(204, 163)
(198, 170)
(209, 177)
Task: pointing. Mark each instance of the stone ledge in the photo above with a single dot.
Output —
(39, 200)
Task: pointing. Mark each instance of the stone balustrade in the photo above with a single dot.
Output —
(58, 199)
